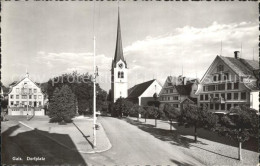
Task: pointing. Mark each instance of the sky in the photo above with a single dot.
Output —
(159, 39)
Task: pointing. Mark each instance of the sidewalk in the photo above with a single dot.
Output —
(80, 131)
(210, 148)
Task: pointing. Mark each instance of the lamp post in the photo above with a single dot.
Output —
(94, 95)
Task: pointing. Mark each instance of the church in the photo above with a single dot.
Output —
(118, 69)
(141, 93)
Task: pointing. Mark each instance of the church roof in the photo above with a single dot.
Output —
(119, 48)
(139, 89)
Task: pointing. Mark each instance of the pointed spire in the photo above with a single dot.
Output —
(119, 48)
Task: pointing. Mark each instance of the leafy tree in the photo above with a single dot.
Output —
(82, 86)
(136, 110)
(239, 124)
(197, 117)
(121, 106)
(62, 107)
(170, 113)
(154, 112)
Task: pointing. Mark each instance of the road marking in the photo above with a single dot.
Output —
(26, 125)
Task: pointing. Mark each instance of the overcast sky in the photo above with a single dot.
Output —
(51, 38)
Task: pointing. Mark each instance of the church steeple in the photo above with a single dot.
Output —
(119, 48)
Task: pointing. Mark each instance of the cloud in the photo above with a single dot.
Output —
(190, 47)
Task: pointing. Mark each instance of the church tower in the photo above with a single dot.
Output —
(119, 69)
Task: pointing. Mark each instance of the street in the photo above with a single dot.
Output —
(132, 146)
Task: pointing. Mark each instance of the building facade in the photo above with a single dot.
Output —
(23, 93)
(119, 69)
(229, 82)
(142, 93)
(177, 90)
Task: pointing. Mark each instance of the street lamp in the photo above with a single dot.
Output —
(94, 95)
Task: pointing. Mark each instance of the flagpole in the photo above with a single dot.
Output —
(94, 96)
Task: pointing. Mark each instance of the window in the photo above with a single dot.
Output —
(17, 96)
(211, 95)
(235, 105)
(119, 74)
(217, 95)
(235, 96)
(35, 97)
(222, 106)
(30, 96)
(176, 97)
(236, 85)
(30, 90)
(228, 96)
(11, 96)
(169, 84)
(30, 103)
(215, 78)
(201, 97)
(220, 68)
(171, 90)
(35, 90)
(17, 102)
(219, 77)
(228, 106)
(24, 97)
(221, 86)
(223, 95)
(40, 103)
(226, 76)
(211, 88)
(168, 98)
(12, 103)
(216, 106)
(229, 86)
(40, 96)
(243, 95)
(211, 106)
(206, 97)
(122, 74)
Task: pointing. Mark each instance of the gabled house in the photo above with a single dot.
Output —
(142, 93)
(179, 90)
(25, 94)
(229, 82)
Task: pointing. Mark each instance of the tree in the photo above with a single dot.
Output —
(197, 117)
(239, 124)
(82, 86)
(136, 110)
(154, 112)
(62, 106)
(170, 113)
(121, 106)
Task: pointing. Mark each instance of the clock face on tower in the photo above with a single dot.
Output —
(120, 65)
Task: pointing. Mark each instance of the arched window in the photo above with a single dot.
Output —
(122, 74)
(119, 74)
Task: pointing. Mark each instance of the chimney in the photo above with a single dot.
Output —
(237, 54)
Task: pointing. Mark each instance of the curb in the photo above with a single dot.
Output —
(83, 152)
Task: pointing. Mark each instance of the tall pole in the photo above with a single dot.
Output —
(94, 96)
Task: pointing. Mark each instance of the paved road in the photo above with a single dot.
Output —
(132, 146)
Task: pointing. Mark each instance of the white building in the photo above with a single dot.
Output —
(23, 93)
(142, 93)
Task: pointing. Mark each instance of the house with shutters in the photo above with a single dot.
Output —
(229, 82)
(177, 91)
(25, 94)
(144, 92)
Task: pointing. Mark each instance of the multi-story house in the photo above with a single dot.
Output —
(175, 91)
(229, 82)
(25, 93)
